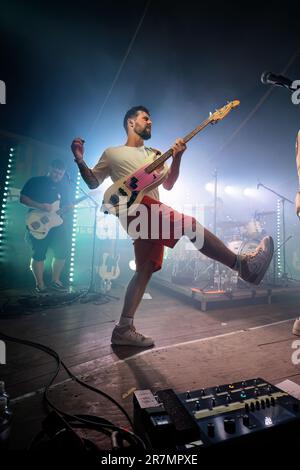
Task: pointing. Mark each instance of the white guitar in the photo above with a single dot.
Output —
(109, 270)
(125, 192)
(39, 223)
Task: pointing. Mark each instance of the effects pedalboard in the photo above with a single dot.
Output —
(242, 414)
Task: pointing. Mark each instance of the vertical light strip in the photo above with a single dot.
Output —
(7, 184)
(74, 234)
(279, 237)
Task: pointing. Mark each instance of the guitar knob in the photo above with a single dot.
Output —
(197, 405)
(229, 425)
(246, 420)
(210, 429)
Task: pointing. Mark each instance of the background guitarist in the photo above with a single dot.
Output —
(39, 193)
(118, 162)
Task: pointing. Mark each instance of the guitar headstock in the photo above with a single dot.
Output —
(219, 114)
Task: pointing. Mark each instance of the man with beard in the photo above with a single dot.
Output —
(119, 162)
(40, 193)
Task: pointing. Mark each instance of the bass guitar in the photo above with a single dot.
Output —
(120, 196)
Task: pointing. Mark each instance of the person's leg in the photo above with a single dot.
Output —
(39, 250)
(135, 291)
(148, 258)
(57, 267)
(215, 249)
(37, 268)
(59, 244)
(251, 267)
(124, 333)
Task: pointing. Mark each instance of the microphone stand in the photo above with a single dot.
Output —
(91, 294)
(214, 264)
(283, 200)
(215, 219)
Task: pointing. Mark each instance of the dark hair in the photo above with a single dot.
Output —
(58, 164)
(132, 113)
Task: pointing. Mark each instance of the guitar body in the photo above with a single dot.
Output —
(109, 269)
(125, 192)
(40, 222)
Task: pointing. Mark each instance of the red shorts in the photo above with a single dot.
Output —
(152, 249)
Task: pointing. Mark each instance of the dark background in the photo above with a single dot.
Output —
(59, 60)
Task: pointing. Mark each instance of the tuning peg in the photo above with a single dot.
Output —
(210, 113)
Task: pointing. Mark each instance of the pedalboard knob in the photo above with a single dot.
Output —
(229, 425)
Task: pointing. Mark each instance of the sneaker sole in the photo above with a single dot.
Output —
(265, 268)
(55, 289)
(121, 342)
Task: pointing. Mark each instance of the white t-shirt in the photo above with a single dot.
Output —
(121, 161)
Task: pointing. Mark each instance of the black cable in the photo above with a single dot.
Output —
(103, 425)
(61, 363)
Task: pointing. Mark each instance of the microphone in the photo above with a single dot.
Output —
(258, 185)
(269, 78)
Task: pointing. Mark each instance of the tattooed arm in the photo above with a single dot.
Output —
(93, 178)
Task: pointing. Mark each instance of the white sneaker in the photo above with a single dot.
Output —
(253, 266)
(128, 336)
(296, 327)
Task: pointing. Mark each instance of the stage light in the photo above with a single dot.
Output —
(4, 208)
(210, 187)
(278, 238)
(132, 265)
(231, 190)
(250, 192)
(74, 234)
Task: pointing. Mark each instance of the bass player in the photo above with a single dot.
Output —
(118, 162)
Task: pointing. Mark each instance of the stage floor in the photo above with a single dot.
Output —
(193, 349)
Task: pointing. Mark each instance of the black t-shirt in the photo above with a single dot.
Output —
(43, 190)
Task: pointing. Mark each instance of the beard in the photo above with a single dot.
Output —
(145, 133)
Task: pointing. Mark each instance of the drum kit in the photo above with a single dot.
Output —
(186, 263)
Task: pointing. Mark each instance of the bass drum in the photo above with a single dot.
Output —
(242, 247)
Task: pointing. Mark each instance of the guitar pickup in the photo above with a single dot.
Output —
(133, 182)
(133, 197)
(114, 199)
(121, 191)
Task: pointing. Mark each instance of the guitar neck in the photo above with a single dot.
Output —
(74, 203)
(160, 160)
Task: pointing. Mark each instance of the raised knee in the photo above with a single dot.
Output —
(147, 268)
